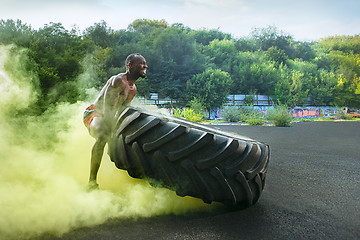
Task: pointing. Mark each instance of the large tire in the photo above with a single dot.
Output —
(190, 158)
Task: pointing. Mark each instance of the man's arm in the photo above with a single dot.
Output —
(112, 96)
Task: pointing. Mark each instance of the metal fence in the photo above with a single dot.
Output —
(233, 100)
(255, 100)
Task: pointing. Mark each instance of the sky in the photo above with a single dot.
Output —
(304, 20)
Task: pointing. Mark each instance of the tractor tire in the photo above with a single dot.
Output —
(189, 158)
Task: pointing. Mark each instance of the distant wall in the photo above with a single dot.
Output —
(314, 112)
(261, 103)
(297, 112)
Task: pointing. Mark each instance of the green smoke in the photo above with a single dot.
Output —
(45, 164)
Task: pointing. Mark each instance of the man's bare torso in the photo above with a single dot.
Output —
(115, 95)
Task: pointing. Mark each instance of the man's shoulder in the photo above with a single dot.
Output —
(118, 80)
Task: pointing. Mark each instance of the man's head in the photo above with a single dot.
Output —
(136, 65)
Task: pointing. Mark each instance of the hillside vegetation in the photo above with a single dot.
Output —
(185, 63)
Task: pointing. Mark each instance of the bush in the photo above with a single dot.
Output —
(249, 115)
(191, 115)
(237, 114)
(342, 115)
(177, 113)
(198, 107)
(188, 114)
(280, 116)
(255, 118)
(232, 115)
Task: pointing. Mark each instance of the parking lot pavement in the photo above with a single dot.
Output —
(312, 191)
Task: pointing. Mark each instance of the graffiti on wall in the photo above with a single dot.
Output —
(314, 112)
(218, 112)
(297, 112)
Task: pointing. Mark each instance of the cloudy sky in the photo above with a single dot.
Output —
(305, 20)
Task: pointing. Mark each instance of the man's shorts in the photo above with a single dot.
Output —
(89, 114)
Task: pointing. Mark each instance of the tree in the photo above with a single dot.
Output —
(246, 45)
(304, 50)
(174, 60)
(253, 72)
(267, 62)
(221, 54)
(15, 32)
(347, 91)
(205, 36)
(58, 54)
(210, 87)
(270, 36)
(146, 26)
(323, 88)
(289, 90)
(345, 58)
(345, 44)
(319, 82)
(277, 55)
(101, 34)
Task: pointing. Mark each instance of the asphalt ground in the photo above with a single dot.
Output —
(312, 191)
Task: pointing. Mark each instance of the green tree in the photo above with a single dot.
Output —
(210, 87)
(205, 36)
(347, 91)
(277, 55)
(250, 71)
(253, 72)
(319, 82)
(147, 26)
(15, 32)
(304, 50)
(289, 90)
(323, 88)
(58, 54)
(176, 61)
(345, 44)
(246, 44)
(100, 34)
(270, 36)
(220, 54)
(267, 62)
(345, 59)
(125, 43)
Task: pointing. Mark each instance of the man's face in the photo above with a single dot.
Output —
(139, 67)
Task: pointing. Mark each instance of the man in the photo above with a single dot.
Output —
(99, 117)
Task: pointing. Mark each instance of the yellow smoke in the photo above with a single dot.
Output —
(44, 166)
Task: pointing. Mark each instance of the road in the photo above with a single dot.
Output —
(312, 192)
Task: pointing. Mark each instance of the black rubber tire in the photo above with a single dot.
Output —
(190, 158)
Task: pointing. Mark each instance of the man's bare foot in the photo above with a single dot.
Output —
(92, 185)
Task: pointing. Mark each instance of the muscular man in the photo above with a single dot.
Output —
(99, 117)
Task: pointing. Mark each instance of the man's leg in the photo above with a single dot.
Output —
(96, 156)
(99, 130)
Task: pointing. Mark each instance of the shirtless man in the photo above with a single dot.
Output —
(99, 117)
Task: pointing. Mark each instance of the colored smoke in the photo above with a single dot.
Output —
(44, 165)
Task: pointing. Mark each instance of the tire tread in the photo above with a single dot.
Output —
(189, 160)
